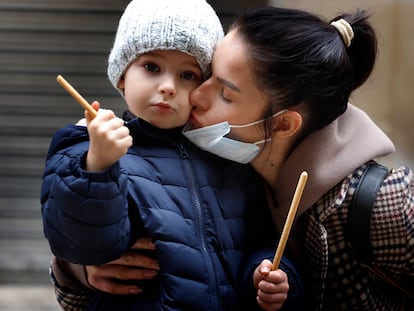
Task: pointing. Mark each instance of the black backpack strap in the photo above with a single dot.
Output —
(359, 223)
(359, 214)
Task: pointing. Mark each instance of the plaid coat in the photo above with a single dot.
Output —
(335, 158)
(335, 280)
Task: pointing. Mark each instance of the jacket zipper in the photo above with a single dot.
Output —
(200, 228)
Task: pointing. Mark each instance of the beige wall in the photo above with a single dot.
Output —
(388, 96)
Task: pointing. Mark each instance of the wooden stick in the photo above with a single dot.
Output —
(78, 97)
(289, 220)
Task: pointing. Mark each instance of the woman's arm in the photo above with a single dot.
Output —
(75, 283)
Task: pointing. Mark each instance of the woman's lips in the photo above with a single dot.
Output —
(194, 121)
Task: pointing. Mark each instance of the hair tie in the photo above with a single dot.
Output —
(345, 30)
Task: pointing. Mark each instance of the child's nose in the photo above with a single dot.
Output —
(167, 87)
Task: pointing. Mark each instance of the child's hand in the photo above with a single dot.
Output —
(109, 139)
(272, 286)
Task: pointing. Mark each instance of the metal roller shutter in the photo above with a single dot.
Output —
(40, 39)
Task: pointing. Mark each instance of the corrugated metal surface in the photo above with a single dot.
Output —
(40, 39)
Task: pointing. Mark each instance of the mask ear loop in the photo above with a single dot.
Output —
(262, 141)
(258, 121)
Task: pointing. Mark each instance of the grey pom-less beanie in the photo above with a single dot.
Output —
(190, 26)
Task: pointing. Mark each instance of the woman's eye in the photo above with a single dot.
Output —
(188, 75)
(152, 67)
(225, 99)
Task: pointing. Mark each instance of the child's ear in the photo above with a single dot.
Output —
(287, 124)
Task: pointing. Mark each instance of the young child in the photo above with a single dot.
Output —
(117, 180)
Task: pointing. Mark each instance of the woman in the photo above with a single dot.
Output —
(296, 72)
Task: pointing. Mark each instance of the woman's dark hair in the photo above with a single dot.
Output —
(299, 58)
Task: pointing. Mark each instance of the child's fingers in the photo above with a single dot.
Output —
(270, 287)
(272, 297)
(269, 306)
(265, 267)
(105, 119)
(276, 276)
(95, 105)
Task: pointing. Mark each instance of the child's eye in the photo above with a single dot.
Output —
(152, 67)
(188, 75)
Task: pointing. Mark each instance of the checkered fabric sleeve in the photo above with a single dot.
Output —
(69, 299)
(335, 280)
(392, 224)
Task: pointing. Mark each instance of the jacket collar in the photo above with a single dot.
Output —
(143, 132)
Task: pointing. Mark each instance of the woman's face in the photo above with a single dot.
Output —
(230, 94)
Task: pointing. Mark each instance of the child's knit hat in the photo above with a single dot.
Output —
(190, 26)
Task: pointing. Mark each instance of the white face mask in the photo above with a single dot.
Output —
(211, 138)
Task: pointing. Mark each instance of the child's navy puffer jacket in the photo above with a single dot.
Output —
(191, 203)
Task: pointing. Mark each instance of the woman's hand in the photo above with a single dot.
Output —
(272, 286)
(115, 277)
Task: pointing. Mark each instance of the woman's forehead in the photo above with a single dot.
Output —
(231, 44)
(230, 61)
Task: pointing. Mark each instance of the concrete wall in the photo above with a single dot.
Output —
(388, 96)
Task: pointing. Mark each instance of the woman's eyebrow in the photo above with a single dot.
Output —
(228, 84)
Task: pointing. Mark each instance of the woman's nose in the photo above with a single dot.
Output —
(198, 97)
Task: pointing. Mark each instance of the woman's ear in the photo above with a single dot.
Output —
(287, 124)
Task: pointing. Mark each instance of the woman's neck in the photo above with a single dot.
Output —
(269, 162)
